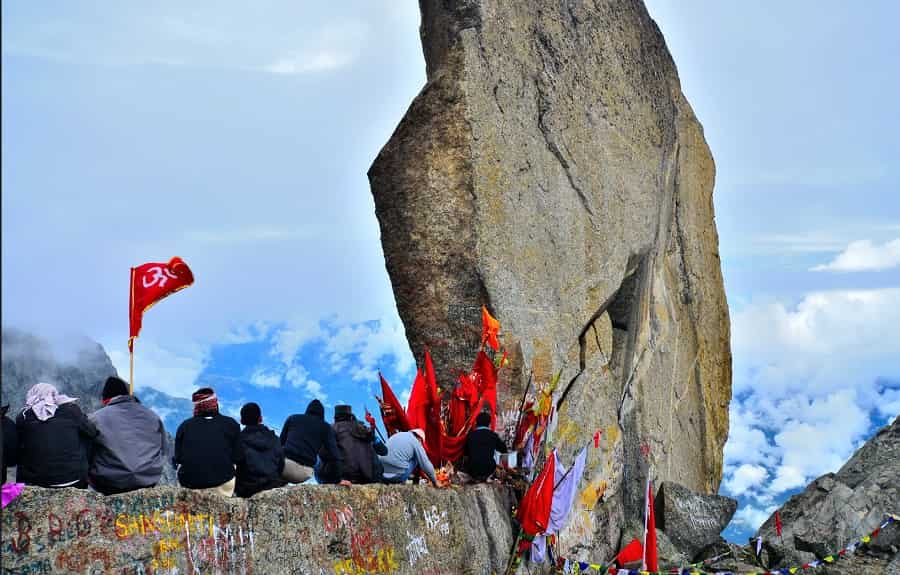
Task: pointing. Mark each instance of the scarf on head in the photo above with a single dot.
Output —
(205, 403)
(43, 399)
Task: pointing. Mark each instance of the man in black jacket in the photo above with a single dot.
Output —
(208, 446)
(54, 438)
(355, 441)
(263, 455)
(481, 443)
(306, 438)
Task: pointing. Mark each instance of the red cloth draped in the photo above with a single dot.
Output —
(777, 523)
(534, 510)
(632, 552)
(462, 401)
(486, 378)
(650, 554)
(434, 427)
(396, 420)
(150, 283)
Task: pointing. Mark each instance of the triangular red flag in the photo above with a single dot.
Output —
(777, 523)
(489, 329)
(486, 379)
(534, 510)
(395, 420)
(651, 561)
(634, 551)
(434, 426)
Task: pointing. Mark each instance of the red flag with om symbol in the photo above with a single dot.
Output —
(150, 283)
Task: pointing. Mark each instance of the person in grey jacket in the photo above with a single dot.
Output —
(406, 454)
(129, 451)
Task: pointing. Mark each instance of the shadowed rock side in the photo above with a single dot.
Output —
(552, 169)
(395, 530)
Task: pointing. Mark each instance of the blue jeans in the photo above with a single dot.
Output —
(413, 467)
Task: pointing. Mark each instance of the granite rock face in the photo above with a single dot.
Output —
(552, 169)
(691, 520)
(838, 508)
(309, 530)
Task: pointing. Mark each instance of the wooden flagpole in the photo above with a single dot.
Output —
(131, 370)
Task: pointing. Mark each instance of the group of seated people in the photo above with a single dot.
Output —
(122, 446)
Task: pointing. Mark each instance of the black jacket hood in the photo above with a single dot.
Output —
(315, 409)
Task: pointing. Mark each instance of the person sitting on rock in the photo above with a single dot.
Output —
(481, 443)
(129, 451)
(263, 455)
(10, 444)
(208, 446)
(308, 438)
(405, 456)
(54, 438)
(356, 442)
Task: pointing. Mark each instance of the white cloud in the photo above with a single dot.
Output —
(753, 517)
(161, 368)
(299, 378)
(310, 62)
(806, 383)
(744, 477)
(265, 379)
(864, 255)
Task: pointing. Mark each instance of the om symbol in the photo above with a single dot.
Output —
(157, 275)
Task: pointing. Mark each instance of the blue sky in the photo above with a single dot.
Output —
(238, 138)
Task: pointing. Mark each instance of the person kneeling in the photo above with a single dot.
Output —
(405, 455)
(481, 443)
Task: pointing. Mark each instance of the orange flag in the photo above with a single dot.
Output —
(489, 329)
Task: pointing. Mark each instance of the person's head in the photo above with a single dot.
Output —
(43, 399)
(315, 409)
(483, 419)
(343, 412)
(251, 414)
(113, 387)
(419, 433)
(205, 401)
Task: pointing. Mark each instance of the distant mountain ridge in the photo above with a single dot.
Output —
(78, 367)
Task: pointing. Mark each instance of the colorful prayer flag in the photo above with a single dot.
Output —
(534, 510)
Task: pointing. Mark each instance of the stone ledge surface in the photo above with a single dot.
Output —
(316, 530)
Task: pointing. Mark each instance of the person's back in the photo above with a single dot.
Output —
(53, 440)
(207, 446)
(481, 443)
(305, 438)
(354, 441)
(263, 460)
(405, 453)
(129, 451)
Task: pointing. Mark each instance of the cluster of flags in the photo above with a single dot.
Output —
(631, 553)
(474, 392)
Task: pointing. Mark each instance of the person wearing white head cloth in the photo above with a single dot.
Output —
(54, 438)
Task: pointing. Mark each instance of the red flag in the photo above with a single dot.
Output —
(418, 402)
(486, 378)
(462, 403)
(489, 329)
(370, 419)
(778, 523)
(395, 420)
(434, 426)
(650, 554)
(634, 551)
(597, 439)
(150, 283)
(534, 510)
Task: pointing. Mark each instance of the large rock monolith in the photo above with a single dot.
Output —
(552, 169)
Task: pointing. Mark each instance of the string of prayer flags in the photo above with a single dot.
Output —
(583, 566)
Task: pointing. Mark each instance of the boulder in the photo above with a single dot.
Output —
(691, 520)
(552, 169)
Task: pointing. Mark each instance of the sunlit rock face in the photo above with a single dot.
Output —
(552, 169)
